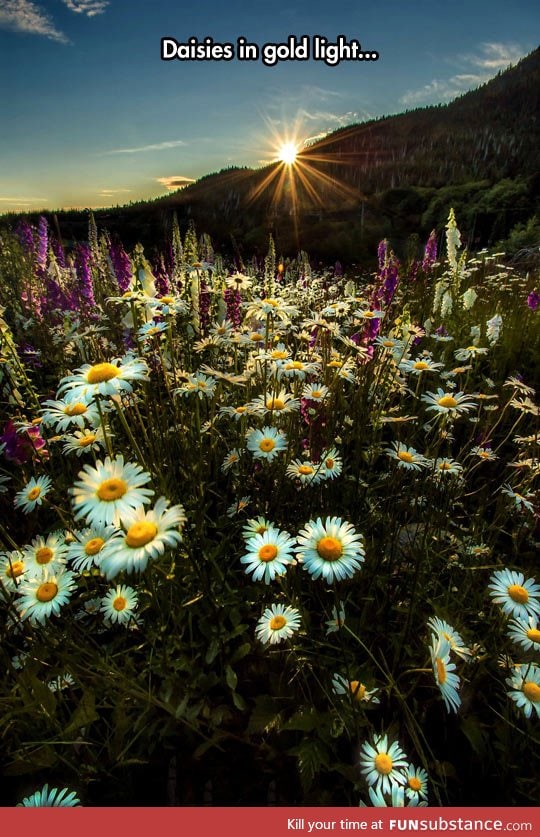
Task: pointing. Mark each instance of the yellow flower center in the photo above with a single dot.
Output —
(267, 552)
(447, 401)
(484, 454)
(388, 344)
(330, 463)
(240, 410)
(534, 635)
(44, 555)
(275, 404)
(119, 603)
(445, 466)
(330, 549)
(369, 314)
(518, 594)
(316, 393)
(153, 330)
(256, 337)
(277, 622)
(266, 445)
(295, 364)
(34, 493)
(414, 783)
(260, 530)
(111, 489)
(405, 456)
(532, 691)
(279, 354)
(139, 534)
(305, 469)
(383, 764)
(15, 569)
(358, 690)
(441, 671)
(420, 364)
(89, 439)
(273, 302)
(101, 372)
(471, 349)
(76, 409)
(334, 364)
(167, 299)
(46, 591)
(93, 546)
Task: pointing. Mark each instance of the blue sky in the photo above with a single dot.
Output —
(92, 117)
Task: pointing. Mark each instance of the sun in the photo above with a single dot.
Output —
(287, 153)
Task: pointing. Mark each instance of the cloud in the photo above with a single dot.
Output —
(491, 58)
(158, 146)
(175, 181)
(112, 191)
(25, 16)
(90, 8)
(23, 200)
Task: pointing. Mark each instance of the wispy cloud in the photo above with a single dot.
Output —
(23, 200)
(477, 69)
(25, 16)
(175, 181)
(90, 8)
(158, 146)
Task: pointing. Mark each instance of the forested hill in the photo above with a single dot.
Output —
(390, 176)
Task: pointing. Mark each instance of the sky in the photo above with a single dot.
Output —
(93, 117)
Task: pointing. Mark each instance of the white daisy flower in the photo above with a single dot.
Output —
(407, 457)
(148, 534)
(446, 466)
(277, 623)
(83, 441)
(337, 620)
(525, 688)
(332, 549)
(525, 632)
(315, 392)
(255, 526)
(231, 459)
(268, 555)
(521, 501)
(105, 494)
(45, 554)
(202, 385)
(448, 403)
(33, 494)
(354, 688)
(119, 604)
(417, 782)
(12, 569)
(53, 798)
(276, 404)
(266, 443)
(382, 765)
(331, 464)
(518, 597)
(85, 552)
(297, 369)
(69, 412)
(469, 353)
(305, 472)
(442, 630)
(443, 671)
(483, 452)
(420, 365)
(43, 597)
(104, 379)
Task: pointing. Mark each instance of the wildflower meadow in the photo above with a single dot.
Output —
(269, 533)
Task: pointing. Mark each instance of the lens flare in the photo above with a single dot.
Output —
(287, 153)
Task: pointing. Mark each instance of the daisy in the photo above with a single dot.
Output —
(151, 329)
(232, 459)
(331, 464)
(337, 620)
(417, 781)
(520, 501)
(278, 403)
(525, 688)
(315, 392)
(390, 344)
(381, 765)
(238, 281)
(445, 466)
(305, 472)
(119, 604)
(53, 798)
(277, 623)
(448, 403)
(268, 555)
(519, 598)
(104, 494)
(43, 597)
(202, 385)
(420, 365)
(239, 505)
(45, 553)
(469, 353)
(365, 314)
(33, 494)
(483, 453)
(442, 630)
(398, 799)
(266, 443)
(147, 535)
(235, 413)
(70, 412)
(298, 369)
(443, 671)
(168, 304)
(407, 457)
(332, 549)
(256, 526)
(85, 552)
(354, 688)
(83, 441)
(12, 569)
(104, 379)
(525, 632)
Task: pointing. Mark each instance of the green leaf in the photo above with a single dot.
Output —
(231, 678)
(212, 652)
(38, 759)
(265, 715)
(84, 715)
